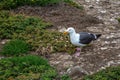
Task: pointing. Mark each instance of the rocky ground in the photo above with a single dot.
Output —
(103, 53)
(99, 16)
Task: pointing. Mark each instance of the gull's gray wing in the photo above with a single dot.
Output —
(86, 38)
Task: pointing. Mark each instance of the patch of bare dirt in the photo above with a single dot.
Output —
(62, 15)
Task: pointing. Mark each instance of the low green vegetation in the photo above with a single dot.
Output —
(26, 68)
(111, 73)
(65, 77)
(10, 4)
(118, 19)
(11, 24)
(46, 41)
(29, 67)
(15, 48)
(74, 4)
(33, 31)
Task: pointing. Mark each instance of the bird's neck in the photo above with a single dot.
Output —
(73, 35)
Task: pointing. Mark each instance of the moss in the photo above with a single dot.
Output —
(111, 73)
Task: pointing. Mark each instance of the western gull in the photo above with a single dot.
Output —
(80, 39)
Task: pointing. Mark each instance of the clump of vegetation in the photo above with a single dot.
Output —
(32, 30)
(74, 4)
(45, 41)
(10, 4)
(15, 47)
(65, 77)
(26, 68)
(118, 19)
(111, 73)
(11, 24)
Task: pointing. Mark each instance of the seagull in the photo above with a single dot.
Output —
(80, 39)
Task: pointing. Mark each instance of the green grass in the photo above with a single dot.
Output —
(26, 68)
(15, 48)
(11, 24)
(111, 73)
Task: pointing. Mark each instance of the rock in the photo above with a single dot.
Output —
(1, 57)
(100, 17)
(3, 42)
(91, 6)
(76, 71)
(103, 11)
(103, 48)
(55, 62)
(110, 63)
(87, 0)
(65, 57)
(114, 42)
(118, 55)
(97, 0)
(107, 42)
(68, 64)
(61, 29)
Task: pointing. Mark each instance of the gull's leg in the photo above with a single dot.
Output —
(77, 53)
(78, 49)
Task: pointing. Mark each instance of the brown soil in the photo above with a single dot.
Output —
(61, 15)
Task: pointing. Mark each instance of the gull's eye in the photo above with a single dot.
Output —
(69, 29)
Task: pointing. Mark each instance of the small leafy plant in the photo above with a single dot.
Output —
(27, 67)
(111, 73)
(15, 47)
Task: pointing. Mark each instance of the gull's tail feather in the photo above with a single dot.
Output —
(95, 36)
(98, 35)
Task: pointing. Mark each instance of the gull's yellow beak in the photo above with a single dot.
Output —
(65, 32)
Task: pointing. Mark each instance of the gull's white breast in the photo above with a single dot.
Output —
(75, 40)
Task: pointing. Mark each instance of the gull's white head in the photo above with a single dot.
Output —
(69, 30)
